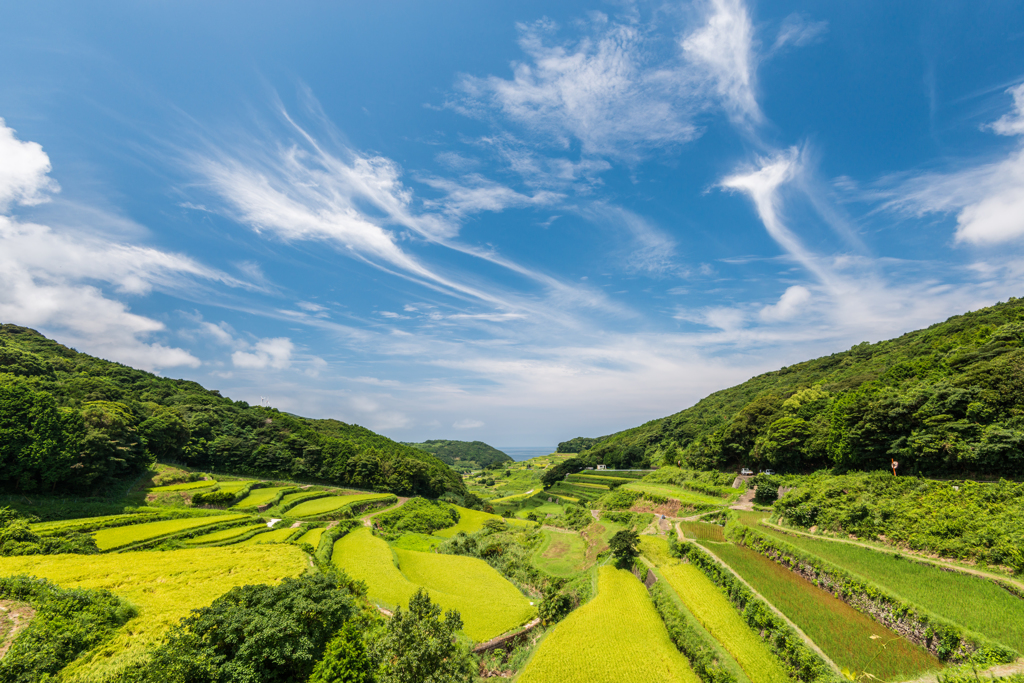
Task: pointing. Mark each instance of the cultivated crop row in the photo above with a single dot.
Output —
(119, 537)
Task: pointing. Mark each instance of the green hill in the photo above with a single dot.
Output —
(463, 454)
(70, 422)
(948, 399)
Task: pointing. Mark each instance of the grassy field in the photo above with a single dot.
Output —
(513, 497)
(164, 586)
(187, 486)
(272, 536)
(324, 506)
(973, 602)
(414, 541)
(848, 637)
(711, 608)
(312, 536)
(617, 637)
(118, 537)
(232, 486)
(561, 553)
(470, 521)
(703, 531)
(489, 604)
(72, 524)
(542, 510)
(679, 493)
(261, 496)
(224, 534)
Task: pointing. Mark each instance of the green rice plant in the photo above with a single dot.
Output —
(119, 537)
(562, 497)
(598, 479)
(514, 496)
(453, 581)
(224, 535)
(164, 586)
(973, 602)
(656, 550)
(711, 608)
(187, 486)
(414, 541)
(76, 524)
(258, 497)
(312, 536)
(233, 486)
(617, 637)
(471, 521)
(272, 536)
(560, 553)
(851, 639)
(681, 494)
(334, 504)
(702, 531)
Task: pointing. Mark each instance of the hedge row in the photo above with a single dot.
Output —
(226, 498)
(803, 663)
(946, 640)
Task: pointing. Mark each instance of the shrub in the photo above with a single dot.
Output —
(418, 515)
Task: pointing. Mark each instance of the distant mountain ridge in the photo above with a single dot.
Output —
(449, 452)
(70, 422)
(946, 400)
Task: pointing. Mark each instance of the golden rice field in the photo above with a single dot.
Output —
(312, 536)
(261, 496)
(164, 586)
(489, 604)
(224, 534)
(655, 549)
(118, 537)
(617, 637)
(272, 536)
(187, 486)
(714, 611)
(323, 506)
(72, 524)
(471, 521)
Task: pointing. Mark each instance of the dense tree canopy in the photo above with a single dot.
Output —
(475, 454)
(70, 422)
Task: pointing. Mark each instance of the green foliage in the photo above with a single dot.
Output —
(472, 454)
(948, 399)
(624, 545)
(255, 633)
(559, 471)
(17, 538)
(579, 444)
(418, 515)
(695, 646)
(767, 489)
(70, 422)
(418, 646)
(67, 623)
(345, 660)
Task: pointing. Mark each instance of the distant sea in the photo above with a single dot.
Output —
(518, 453)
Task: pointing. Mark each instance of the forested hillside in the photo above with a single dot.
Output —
(468, 454)
(948, 399)
(70, 422)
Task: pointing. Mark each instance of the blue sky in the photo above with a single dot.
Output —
(514, 222)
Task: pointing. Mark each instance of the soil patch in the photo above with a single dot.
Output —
(14, 616)
(670, 509)
(558, 548)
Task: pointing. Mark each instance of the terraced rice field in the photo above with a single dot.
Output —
(224, 534)
(325, 506)
(118, 537)
(711, 608)
(684, 496)
(599, 479)
(272, 536)
(233, 486)
(973, 602)
(542, 510)
(164, 586)
(703, 531)
(72, 524)
(298, 495)
(514, 496)
(562, 553)
(655, 549)
(187, 486)
(848, 637)
(617, 637)
(414, 541)
(471, 521)
(489, 604)
(312, 536)
(259, 497)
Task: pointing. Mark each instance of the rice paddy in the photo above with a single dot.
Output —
(489, 604)
(272, 536)
(118, 537)
(850, 638)
(325, 506)
(703, 531)
(414, 541)
(164, 586)
(514, 496)
(973, 602)
(617, 637)
(684, 496)
(312, 536)
(72, 524)
(561, 553)
(187, 486)
(471, 521)
(224, 535)
(258, 497)
(711, 608)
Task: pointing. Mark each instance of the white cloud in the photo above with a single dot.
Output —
(790, 304)
(475, 194)
(724, 48)
(1013, 122)
(467, 424)
(24, 169)
(273, 353)
(798, 30)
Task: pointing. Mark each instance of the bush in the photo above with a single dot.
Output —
(767, 490)
(418, 515)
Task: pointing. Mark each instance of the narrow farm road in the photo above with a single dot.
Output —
(368, 519)
(745, 502)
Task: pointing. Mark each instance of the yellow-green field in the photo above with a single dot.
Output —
(187, 486)
(489, 604)
(312, 536)
(232, 486)
(273, 536)
(471, 521)
(118, 537)
(561, 553)
(679, 493)
(261, 496)
(714, 611)
(224, 534)
(514, 496)
(617, 637)
(323, 506)
(71, 524)
(164, 586)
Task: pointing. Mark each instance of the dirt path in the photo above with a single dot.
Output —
(995, 672)
(368, 519)
(744, 502)
(14, 616)
(943, 564)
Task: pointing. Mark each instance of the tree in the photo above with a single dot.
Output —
(767, 490)
(345, 661)
(624, 545)
(417, 646)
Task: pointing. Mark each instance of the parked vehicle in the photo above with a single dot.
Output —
(746, 470)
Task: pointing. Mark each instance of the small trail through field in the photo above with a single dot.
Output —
(745, 502)
(14, 616)
(368, 519)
